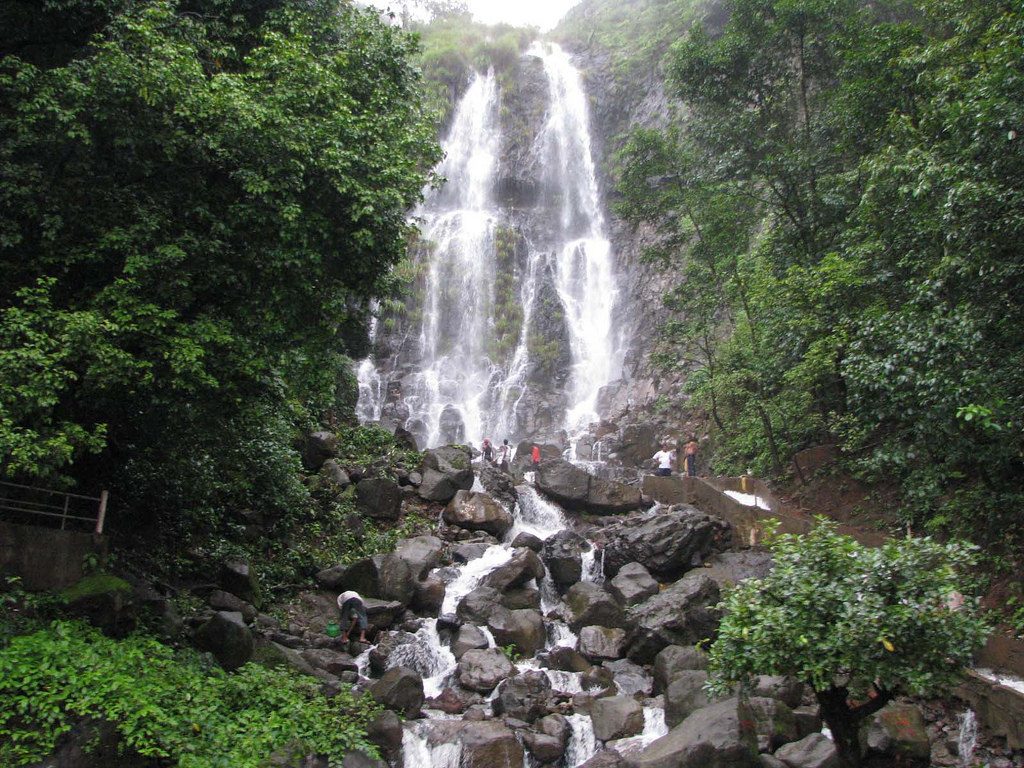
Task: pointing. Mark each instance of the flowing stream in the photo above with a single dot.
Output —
(428, 655)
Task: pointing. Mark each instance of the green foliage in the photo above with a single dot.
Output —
(842, 204)
(164, 704)
(454, 47)
(512, 653)
(508, 307)
(22, 611)
(199, 202)
(636, 33)
(372, 444)
(852, 621)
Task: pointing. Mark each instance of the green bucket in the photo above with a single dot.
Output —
(332, 630)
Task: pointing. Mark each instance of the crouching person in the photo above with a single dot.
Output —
(353, 612)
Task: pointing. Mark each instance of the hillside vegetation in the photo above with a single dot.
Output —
(843, 209)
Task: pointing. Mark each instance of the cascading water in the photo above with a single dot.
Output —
(584, 273)
(473, 359)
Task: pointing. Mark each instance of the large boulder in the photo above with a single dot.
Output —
(730, 568)
(521, 597)
(775, 723)
(788, 690)
(814, 751)
(563, 558)
(386, 577)
(317, 448)
(478, 512)
(481, 743)
(240, 580)
(616, 717)
(630, 678)
(674, 659)
(429, 596)
(897, 732)
(685, 695)
(400, 690)
(600, 643)
(591, 604)
(445, 471)
(549, 739)
(668, 542)
(420, 553)
(499, 485)
(225, 636)
(379, 498)
(468, 638)
(220, 600)
(633, 584)
(332, 662)
(523, 566)
(719, 736)
(682, 614)
(524, 697)
(482, 670)
(580, 491)
(477, 606)
(522, 628)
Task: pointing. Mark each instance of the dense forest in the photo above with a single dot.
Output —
(210, 211)
(840, 194)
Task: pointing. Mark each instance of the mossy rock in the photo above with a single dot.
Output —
(105, 601)
(95, 584)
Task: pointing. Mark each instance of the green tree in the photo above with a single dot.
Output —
(858, 625)
(199, 200)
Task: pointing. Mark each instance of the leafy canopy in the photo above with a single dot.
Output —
(200, 200)
(838, 615)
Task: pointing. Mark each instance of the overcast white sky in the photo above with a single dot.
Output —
(539, 13)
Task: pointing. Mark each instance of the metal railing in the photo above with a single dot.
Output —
(21, 503)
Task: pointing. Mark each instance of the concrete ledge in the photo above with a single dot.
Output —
(747, 522)
(1000, 708)
(46, 558)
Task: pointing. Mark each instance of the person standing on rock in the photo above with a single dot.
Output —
(535, 456)
(488, 451)
(353, 611)
(690, 456)
(664, 458)
(504, 455)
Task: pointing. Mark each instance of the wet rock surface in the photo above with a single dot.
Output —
(668, 542)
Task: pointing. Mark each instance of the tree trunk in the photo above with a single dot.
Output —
(844, 721)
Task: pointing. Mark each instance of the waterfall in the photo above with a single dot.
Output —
(967, 738)
(508, 331)
(584, 273)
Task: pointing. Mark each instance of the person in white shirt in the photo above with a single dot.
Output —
(665, 459)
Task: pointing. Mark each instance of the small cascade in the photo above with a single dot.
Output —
(428, 657)
(593, 565)
(582, 743)
(471, 574)
(967, 739)
(536, 515)
(654, 728)
(418, 752)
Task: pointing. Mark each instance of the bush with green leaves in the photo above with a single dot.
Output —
(200, 201)
(165, 704)
(856, 624)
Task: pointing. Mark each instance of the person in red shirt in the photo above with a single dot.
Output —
(535, 456)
